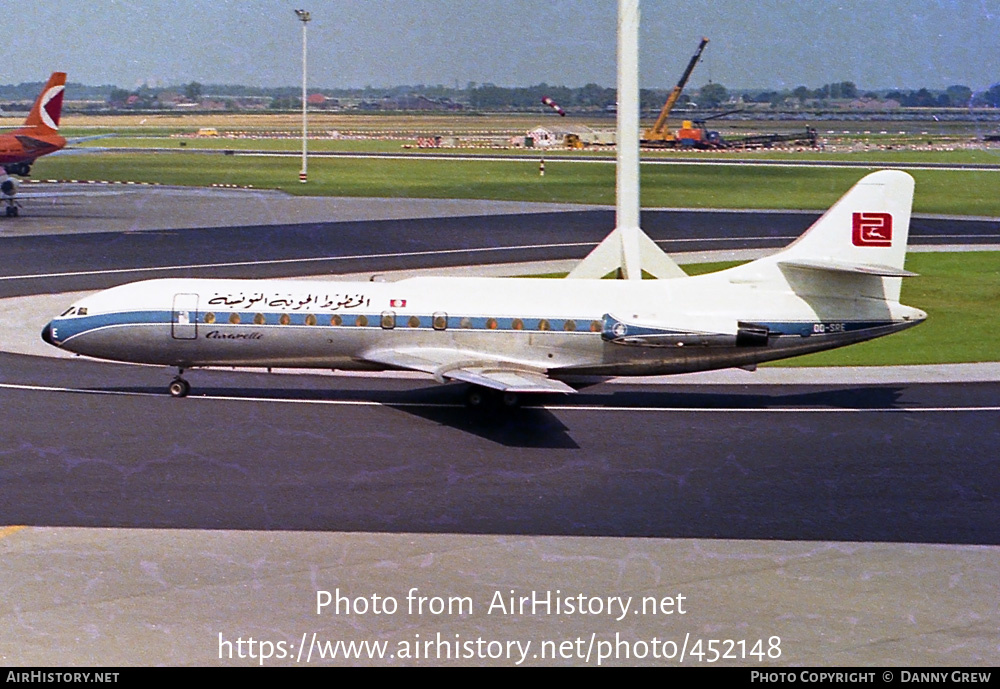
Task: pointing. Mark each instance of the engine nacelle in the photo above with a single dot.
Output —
(661, 335)
(8, 186)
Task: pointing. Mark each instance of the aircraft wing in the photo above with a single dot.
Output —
(60, 194)
(80, 150)
(93, 137)
(470, 367)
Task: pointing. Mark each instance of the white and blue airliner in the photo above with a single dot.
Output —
(837, 284)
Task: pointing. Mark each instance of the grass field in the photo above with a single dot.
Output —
(692, 186)
(960, 293)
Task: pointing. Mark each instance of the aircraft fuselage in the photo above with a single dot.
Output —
(562, 327)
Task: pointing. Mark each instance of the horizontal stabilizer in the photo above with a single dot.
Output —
(855, 268)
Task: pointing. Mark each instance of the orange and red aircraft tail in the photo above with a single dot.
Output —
(44, 116)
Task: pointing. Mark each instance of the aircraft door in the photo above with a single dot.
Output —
(184, 319)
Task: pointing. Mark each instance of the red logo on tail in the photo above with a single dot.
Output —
(872, 229)
(52, 106)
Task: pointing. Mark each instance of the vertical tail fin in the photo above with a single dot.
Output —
(856, 249)
(869, 225)
(44, 116)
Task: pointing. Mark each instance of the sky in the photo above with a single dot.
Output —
(772, 44)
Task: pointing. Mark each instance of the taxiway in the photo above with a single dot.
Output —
(854, 520)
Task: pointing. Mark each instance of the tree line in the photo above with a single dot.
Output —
(487, 96)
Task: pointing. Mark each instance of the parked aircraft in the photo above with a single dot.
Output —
(38, 136)
(837, 284)
(40, 133)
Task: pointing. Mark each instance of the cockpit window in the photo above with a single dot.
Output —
(74, 311)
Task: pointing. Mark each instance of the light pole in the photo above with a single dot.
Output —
(304, 17)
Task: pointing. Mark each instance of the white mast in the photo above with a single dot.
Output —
(627, 248)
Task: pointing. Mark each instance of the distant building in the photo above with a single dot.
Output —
(413, 101)
(568, 135)
(169, 98)
(873, 104)
(317, 101)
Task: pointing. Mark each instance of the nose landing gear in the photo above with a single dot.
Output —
(178, 386)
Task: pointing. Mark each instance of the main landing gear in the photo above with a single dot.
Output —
(178, 386)
(479, 398)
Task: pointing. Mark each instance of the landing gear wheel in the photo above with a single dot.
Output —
(475, 397)
(510, 400)
(179, 388)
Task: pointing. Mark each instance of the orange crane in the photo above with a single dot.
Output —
(658, 135)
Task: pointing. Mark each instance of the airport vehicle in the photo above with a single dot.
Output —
(694, 134)
(839, 283)
(658, 135)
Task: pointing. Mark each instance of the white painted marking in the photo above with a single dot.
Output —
(287, 261)
(549, 407)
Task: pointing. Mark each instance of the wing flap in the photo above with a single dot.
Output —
(508, 379)
(470, 367)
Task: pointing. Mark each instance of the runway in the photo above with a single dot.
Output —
(857, 524)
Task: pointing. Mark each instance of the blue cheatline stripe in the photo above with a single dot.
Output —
(66, 328)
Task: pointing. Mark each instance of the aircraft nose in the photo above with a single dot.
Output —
(47, 334)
